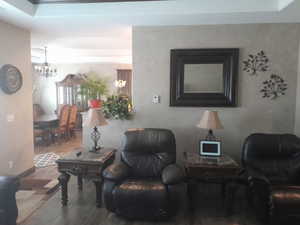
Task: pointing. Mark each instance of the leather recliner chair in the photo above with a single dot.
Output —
(8, 206)
(144, 185)
(272, 165)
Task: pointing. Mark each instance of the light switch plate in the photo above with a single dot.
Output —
(10, 164)
(10, 118)
(156, 99)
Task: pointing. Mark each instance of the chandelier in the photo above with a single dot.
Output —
(45, 69)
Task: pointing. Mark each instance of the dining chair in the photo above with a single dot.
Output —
(41, 134)
(37, 111)
(62, 130)
(72, 120)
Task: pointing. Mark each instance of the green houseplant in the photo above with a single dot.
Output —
(93, 89)
(117, 107)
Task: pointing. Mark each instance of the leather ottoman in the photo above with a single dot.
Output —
(136, 195)
(285, 205)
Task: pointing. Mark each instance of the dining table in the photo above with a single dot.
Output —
(46, 121)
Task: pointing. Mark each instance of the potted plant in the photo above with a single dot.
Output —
(93, 89)
(117, 107)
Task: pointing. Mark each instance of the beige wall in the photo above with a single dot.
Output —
(151, 74)
(16, 138)
(45, 88)
(297, 110)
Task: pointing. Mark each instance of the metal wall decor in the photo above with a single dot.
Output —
(274, 87)
(256, 63)
(10, 79)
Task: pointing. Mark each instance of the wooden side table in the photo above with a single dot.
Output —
(221, 170)
(87, 165)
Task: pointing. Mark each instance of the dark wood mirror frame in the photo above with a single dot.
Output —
(229, 57)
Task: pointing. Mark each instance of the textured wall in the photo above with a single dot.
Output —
(151, 72)
(297, 111)
(45, 88)
(16, 138)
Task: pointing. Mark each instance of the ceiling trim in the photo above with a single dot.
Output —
(84, 1)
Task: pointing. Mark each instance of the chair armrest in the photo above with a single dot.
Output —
(173, 174)
(116, 172)
(256, 177)
(294, 172)
(10, 183)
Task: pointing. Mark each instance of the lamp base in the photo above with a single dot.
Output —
(95, 149)
(210, 136)
(95, 136)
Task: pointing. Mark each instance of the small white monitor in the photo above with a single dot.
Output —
(210, 148)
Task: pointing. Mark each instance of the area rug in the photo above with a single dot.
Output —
(32, 195)
(33, 184)
(46, 159)
(28, 202)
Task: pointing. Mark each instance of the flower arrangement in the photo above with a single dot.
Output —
(117, 107)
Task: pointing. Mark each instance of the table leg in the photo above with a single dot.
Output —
(79, 182)
(63, 180)
(230, 198)
(98, 186)
(191, 192)
(223, 192)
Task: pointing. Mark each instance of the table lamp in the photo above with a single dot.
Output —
(210, 120)
(94, 119)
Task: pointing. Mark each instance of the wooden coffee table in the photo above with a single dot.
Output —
(84, 165)
(221, 170)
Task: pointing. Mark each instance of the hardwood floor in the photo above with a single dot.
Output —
(61, 148)
(81, 210)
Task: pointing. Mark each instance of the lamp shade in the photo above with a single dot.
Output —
(210, 120)
(94, 118)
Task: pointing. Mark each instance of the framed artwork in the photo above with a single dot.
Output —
(210, 148)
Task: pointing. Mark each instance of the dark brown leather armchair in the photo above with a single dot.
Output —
(144, 184)
(8, 205)
(272, 163)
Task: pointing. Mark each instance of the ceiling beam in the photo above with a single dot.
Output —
(85, 1)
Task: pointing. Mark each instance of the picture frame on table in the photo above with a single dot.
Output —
(210, 148)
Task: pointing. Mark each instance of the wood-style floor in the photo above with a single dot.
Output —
(81, 210)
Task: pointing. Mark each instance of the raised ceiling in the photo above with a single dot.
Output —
(83, 1)
(108, 25)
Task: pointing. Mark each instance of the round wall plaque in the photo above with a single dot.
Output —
(10, 79)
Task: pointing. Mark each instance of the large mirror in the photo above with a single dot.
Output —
(203, 77)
